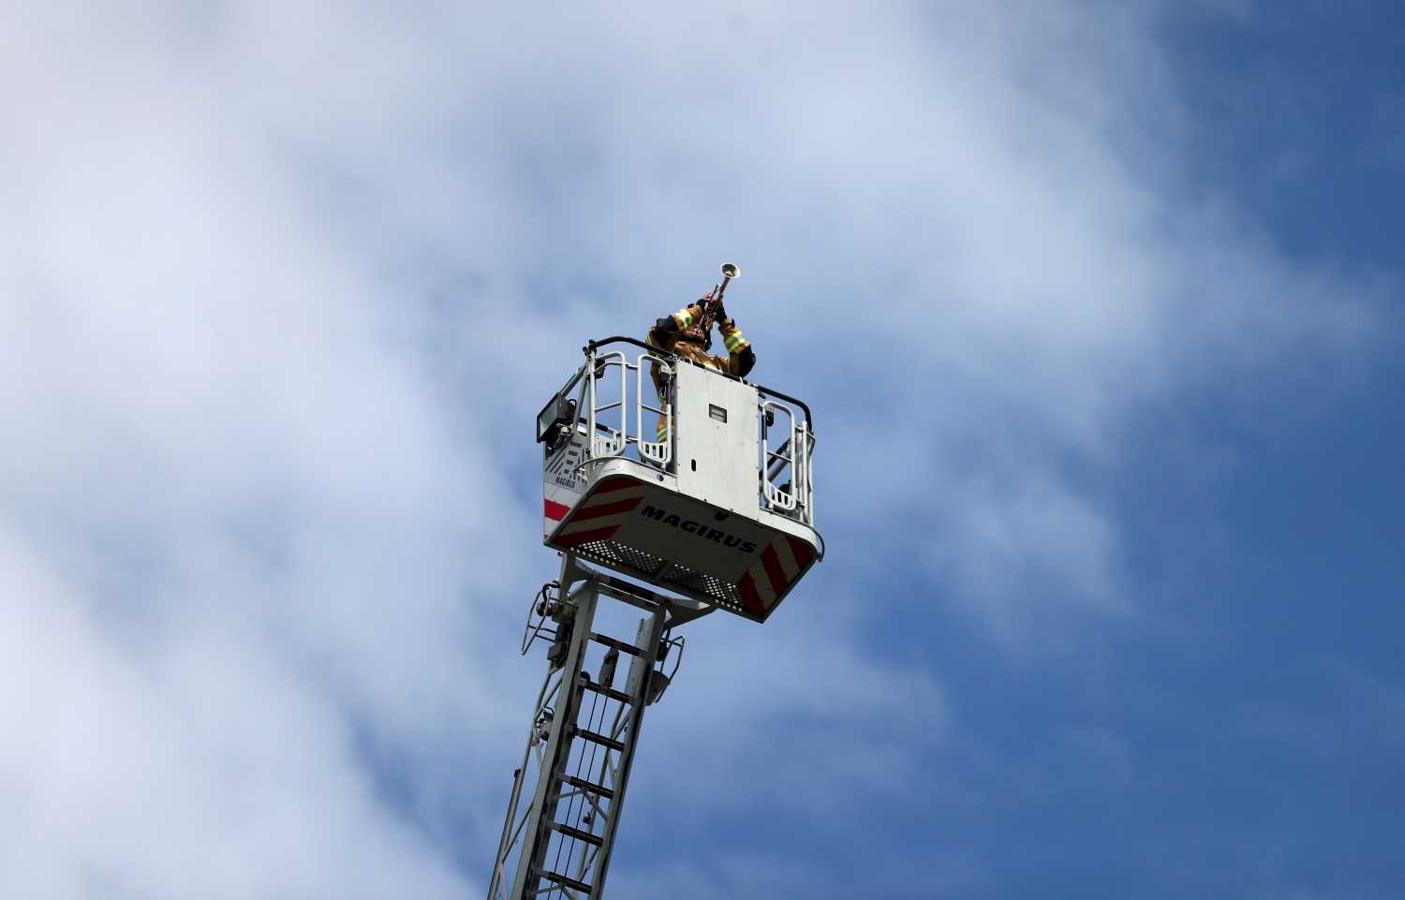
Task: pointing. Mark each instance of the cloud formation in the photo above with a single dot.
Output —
(286, 283)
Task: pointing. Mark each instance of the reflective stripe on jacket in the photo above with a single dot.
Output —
(732, 337)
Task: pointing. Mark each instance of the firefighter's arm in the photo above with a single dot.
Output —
(732, 336)
(738, 348)
(679, 321)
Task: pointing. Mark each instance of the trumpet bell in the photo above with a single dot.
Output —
(731, 270)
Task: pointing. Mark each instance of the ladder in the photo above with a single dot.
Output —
(568, 793)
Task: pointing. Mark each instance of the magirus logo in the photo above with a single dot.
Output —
(701, 529)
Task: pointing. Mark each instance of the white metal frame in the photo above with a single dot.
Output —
(616, 442)
(773, 463)
(563, 802)
(660, 452)
(794, 454)
(579, 753)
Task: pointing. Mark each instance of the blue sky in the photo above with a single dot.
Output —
(1098, 307)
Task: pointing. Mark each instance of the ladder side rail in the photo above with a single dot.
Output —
(551, 686)
(566, 817)
(590, 841)
(573, 829)
(581, 833)
(509, 833)
(641, 670)
(556, 752)
(512, 825)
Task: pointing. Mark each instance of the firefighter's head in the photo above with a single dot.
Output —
(700, 332)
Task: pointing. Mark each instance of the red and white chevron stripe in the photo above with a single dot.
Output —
(780, 564)
(600, 515)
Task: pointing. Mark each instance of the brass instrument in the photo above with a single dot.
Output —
(714, 299)
(729, 271)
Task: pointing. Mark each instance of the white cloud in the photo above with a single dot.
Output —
(202, 766)
(284, 285)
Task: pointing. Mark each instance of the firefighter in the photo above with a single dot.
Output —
(688, 333)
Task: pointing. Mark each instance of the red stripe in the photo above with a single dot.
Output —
(556, 511)
(751, 600)
(803, 552)
(772, 562)
(615, 484)
(595, 511)
(583, 537)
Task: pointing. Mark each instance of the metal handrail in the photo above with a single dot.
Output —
(806, 455)
(784, 456)
(591, 347)
(615, 442)
(809, 419)
(667, 355)
(796, 451)
(660, 452)
(618, 440)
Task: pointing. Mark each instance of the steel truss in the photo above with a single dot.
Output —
(568, 793)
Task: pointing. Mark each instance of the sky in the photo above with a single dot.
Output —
(1097, 306)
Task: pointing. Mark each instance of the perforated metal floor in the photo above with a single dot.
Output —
(662, 572)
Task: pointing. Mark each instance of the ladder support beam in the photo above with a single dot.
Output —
(567, 795)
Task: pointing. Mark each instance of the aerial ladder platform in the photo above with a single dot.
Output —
(675, 490)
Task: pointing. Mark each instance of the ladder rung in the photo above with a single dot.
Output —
(584, 785)
(618, 645)
(564, 881)
(598, 738)
(608, 692)
(594, 840)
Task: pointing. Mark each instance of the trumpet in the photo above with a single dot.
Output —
(729, 271)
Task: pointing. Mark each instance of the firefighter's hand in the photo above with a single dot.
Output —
(719, 312)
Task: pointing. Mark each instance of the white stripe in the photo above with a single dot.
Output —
(763, 585)
(789, 566)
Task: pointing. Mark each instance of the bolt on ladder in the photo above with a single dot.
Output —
(568, 793)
